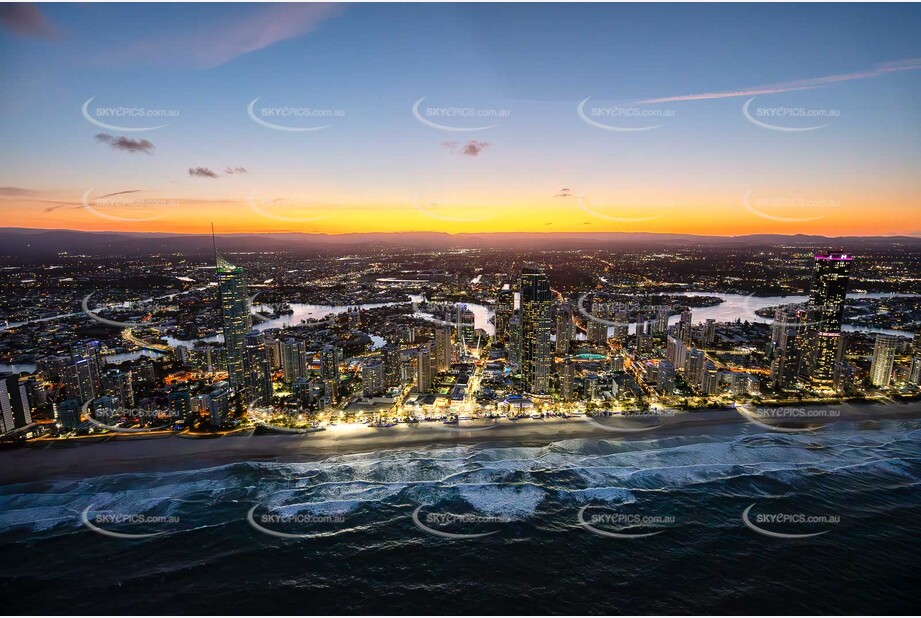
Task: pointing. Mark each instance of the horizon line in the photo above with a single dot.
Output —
(454, 234)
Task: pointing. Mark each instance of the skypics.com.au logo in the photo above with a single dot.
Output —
(126, 118)
(293, 118)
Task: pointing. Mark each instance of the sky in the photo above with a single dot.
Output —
(717, 119)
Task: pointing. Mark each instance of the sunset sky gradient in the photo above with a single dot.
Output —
(705, 168)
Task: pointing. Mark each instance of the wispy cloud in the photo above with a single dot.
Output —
(202, 172)
(231, 171)
(18, 192)
(473, 148)
(799, 84)
(564, 192)
(220, 41)
(81, 205)
(26, 19)
(126, 144)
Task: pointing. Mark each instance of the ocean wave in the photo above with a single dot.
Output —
(497, 479)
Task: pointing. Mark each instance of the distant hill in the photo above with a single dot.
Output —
(24, 243)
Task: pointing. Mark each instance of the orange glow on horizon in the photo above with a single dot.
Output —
(733, 216)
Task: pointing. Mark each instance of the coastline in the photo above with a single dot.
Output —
(69, 460)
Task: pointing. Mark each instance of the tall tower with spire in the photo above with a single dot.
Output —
(235, 315)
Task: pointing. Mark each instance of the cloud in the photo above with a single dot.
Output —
(564, 192)
(219, 41)
(473, 148)
(230, 171)
(799, 84)
(26, 19)
(126, 144)
(202, 172)
(17, 192)
(81, 205)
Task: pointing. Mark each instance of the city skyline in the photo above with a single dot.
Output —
(460, 308)
(397, 158)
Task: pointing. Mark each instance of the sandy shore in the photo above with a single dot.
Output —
(123, 454)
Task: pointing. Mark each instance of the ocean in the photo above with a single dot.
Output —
(733, 519)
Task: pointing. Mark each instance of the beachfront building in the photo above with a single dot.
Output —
(883, 359)
(236, 319)
(536, 357)
(830, 276)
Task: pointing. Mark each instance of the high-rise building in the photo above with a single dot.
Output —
(567, 380)
(15, 411)
(662, 314)
(788, 363)
(505, 307)
(621, 326)
(372, 378)
(91, 352)
(118, 385)
(293, 359)
(666, 377)
(536, 355)
(179, 404)
(830, 276)
(676, 351)
(643, 339)
(466, 328)
(442, 347)
(564, 329)
(236, 317)
(914, 373)
(257, 369)
(67, 414)
(596, 328)
(424, 368)
(514, 340)
(329, 363)
(883, 358)
(709, 331)
(845, 378)
(684, 326)
(711, 379)
(695, 366)
(390, 355)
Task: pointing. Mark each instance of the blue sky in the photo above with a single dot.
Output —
(536, 61)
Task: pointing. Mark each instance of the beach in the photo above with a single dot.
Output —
(69, 459)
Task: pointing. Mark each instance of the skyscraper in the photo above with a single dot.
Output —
(883, 359)
(564, 328)
(662, 314)
(390, 355)
(372, 378)
(257, 369)
(505, 307)
(709, 331)
(442, 347)
(424, 368)
(596, 328)
(684, 326)
(567, 380)
(15, 411)
(830, 277)
(535, 330)
(293, 359)
(237, 320)
(466, 328)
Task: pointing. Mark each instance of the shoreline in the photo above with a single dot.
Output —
(170, 453)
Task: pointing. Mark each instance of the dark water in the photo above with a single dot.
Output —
(365, 553)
